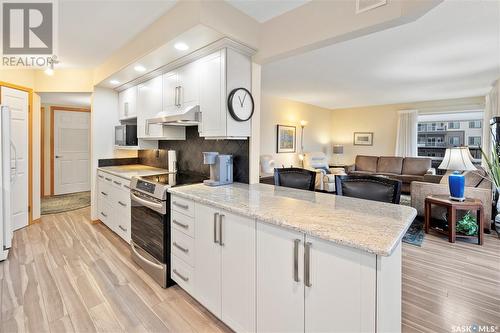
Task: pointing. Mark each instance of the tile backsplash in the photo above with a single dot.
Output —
(190, 157)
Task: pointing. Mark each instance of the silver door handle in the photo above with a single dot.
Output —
(100, 176)
(123, 229)
(58, 156)
(104, 193)
(108, 179)
(146, 202)
(149, 262)
(104, 214)
(185, 279)
(175, 203)
(307, 264)
(183, 249)
(296, 244)
(122, 203)
(221, 243)
(216, 215)
(117, 183)
(182, 225)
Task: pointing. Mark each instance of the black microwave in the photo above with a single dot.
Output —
(126, 135)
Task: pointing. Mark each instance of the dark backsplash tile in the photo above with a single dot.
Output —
(117, 161)
(190, 157)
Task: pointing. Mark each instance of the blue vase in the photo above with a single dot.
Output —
(457, 186)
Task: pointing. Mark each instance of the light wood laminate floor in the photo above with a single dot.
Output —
(65, 274)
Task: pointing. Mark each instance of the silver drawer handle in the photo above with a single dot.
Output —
(126, 186)
(100, 176)
(296, 243)
(117, 183)
(307, 264)
(123, 229)
(104, 214)
(104, 193)
(122, 203)
(108, 179)
(185, 226)
(185, 279)
(183, 249)
(180, 205)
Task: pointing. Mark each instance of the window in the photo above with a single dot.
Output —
(454, 141)
(454, 125)
(422, 127)
(474, 141)
(475, 124)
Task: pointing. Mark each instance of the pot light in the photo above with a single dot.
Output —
(181, 46)
(114, 82)
(140, 68)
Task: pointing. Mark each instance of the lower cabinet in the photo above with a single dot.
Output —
(309, 285)
(225, 266)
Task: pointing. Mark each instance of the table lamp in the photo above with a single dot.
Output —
(337, 150)
(457, 159)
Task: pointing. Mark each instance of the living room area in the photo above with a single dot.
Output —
(408, 115)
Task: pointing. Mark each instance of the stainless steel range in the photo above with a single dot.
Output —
(150, 213)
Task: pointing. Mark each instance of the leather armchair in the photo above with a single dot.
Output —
(325, 176)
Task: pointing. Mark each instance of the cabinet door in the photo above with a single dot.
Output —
(207, 265)
(131, 107)
(189, 85)
(341, 295)
(212, 95)
(170, 84)
(238, 272)
(149, 103)
(280, 297)
(122, 99)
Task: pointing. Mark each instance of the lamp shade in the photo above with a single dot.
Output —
(458, 159)
(338, 149)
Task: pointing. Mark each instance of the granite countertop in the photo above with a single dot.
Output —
(371, 226)
(134, 170)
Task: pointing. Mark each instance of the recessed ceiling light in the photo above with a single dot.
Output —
(49, 71)
(114, 82)
(181, 46)
(140, 68)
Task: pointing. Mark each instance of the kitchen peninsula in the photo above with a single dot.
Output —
(265, 258)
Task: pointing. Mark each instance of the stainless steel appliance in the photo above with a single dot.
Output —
(221, 168)
(126, 135)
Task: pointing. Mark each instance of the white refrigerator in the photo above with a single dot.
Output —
(7, 176)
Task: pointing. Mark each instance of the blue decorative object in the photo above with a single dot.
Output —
(457, 186)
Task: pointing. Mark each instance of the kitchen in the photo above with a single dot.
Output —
(166, 122)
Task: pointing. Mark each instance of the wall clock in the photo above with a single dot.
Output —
(240, 104)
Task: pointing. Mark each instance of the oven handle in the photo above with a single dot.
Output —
(152, 205)
(144, 259)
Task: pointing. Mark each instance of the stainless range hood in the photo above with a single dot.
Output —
(190, 116)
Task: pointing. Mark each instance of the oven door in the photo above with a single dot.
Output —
(150, 235)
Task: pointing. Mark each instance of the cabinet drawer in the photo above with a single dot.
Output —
(182, 274)
(120, 183)
(183, 223)
(121, 201)
(104, 213)
(122, 227)
(183, 206)
(183, 246)
(105, 191)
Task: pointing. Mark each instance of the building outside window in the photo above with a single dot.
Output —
(454, 125)
(475, 124)
(454, 141)
(475, 141)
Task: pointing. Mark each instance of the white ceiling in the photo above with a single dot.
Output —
(453, 51)
(90, 31)
(66, 99)
(264, 10)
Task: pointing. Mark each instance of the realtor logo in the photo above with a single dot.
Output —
(27, 28)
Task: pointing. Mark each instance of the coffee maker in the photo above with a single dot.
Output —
(221, 168)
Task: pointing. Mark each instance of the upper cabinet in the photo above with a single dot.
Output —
(220, 73)
(181, 88)
(127, 103)
(149, 104)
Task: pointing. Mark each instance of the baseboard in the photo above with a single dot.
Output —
(36, 221)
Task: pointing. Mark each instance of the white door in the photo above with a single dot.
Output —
(189, 84)
(345, 275)
(18, 103)
(71, 152)
(207, 265)
(238, 272)
(280, 287)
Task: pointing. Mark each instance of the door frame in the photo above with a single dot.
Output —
(52, 161)
(30, 144)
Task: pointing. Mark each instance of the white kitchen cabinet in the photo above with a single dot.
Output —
(127, 103)
(280, 289)
(220, 73)
(113, 204)
(225, 266)
(149, 104)
(180, 88)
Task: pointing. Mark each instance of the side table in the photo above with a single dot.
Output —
(452, 207)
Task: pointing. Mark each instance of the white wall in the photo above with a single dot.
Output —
(317, 133)
(104, 117)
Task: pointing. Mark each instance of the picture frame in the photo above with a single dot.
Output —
(286, 139)
(363, 139)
